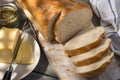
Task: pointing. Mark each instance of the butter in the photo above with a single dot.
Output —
(8, 40)
(25, 53)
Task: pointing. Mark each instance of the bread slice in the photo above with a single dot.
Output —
(84, 42)
(71, 21)
(97, 67)
(92, 55)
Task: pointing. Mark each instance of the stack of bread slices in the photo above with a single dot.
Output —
(89, 51)
(84, 43)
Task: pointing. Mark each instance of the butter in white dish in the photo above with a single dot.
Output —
(8, 40)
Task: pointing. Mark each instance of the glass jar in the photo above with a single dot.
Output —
(9, 15)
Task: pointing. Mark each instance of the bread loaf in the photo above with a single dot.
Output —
(93, 55)
(74, 16)
(97, 67)
(84, 42)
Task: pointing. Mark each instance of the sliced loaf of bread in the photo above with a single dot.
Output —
(97, 67)
(93, 55)
(74, 16)
(83, 42)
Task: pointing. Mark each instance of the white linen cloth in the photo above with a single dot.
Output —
(109, 13)
(5, 1)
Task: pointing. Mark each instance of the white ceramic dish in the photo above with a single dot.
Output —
(21, 71)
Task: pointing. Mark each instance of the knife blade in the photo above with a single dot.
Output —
(8, 73)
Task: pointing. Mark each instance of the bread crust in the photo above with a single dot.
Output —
(95, 72)
(99, 69)
(44, 12)
(83, 49)
(84, 42)
(92, 58)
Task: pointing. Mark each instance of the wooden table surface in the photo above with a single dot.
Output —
(44, 71)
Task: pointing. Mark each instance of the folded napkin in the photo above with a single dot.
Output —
(5, 1)
(109, 13)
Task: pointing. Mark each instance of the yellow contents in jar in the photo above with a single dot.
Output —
(8, 16)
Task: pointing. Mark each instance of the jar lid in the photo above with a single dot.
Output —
(8, 12)
(9, 15)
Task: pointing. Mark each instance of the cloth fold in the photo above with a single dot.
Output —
(109, 13)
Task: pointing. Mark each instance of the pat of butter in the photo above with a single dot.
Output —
(25, 53)
(8, 40)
